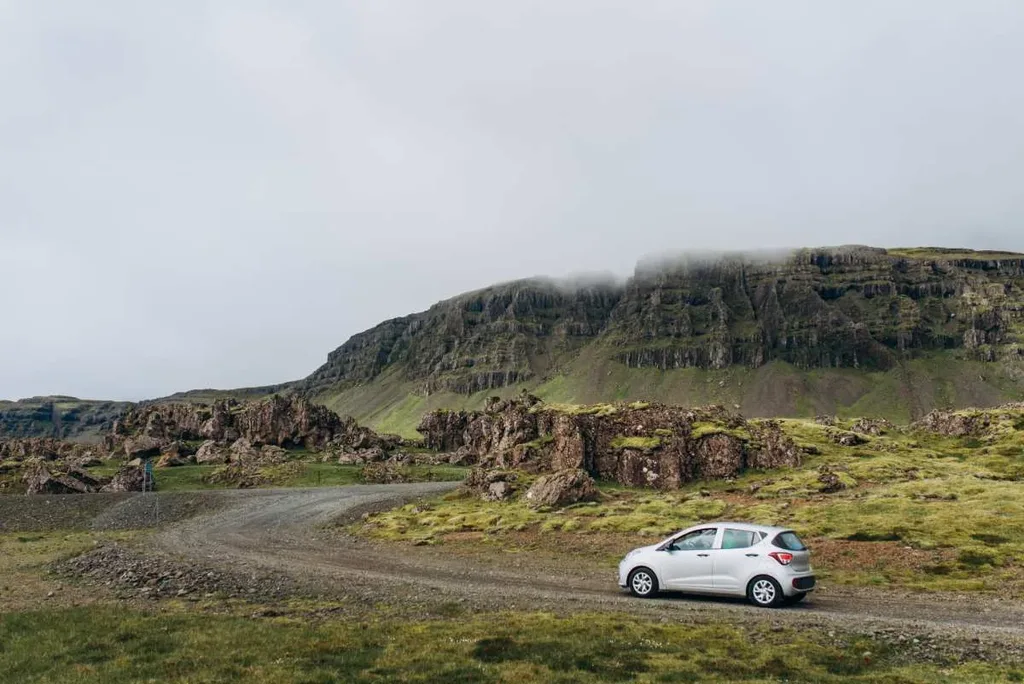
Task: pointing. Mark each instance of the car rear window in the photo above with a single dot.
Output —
(788, 541)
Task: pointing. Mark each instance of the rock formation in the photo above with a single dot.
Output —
(639, 445)
(280, 422)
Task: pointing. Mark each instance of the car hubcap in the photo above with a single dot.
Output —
(642, 583)
(764, 591)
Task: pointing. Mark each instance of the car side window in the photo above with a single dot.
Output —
(739, 539)
(698, 540)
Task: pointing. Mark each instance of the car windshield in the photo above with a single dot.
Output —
(789, 541)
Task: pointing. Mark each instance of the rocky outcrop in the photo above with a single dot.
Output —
(561, 488)
(639, 444)
(52, 478)
(954, 424)
(233, 430)
(872, 426)
(129, 479)
(48, 449)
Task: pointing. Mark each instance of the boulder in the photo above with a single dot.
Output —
(482, 483)
(127, 479)
(40, 480)
(242, 450)
(499, 491)
(847, 439)
(829, 480)
(210, 452)
(950, 424)
(872, 426)
(270, 454)
(143, 446)
(561, 488)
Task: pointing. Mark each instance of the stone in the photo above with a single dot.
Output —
(561, 488)
(829, 481)
(210, 452)
(39, 479)
(143, 447)
(499, 491)
(127, 479)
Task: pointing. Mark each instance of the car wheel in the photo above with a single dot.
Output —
(796, 598)
(765, 592)
(643, 583)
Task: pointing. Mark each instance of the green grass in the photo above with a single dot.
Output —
(946, 253)
(113, 645)
(623, 442)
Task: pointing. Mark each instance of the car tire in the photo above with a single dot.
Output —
(795, 598)
(765, 592)
(643, 583)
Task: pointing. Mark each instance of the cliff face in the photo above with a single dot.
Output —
(847, 308)
(478, 341)
(58, 417)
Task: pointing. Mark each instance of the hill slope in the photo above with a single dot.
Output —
(849, 330)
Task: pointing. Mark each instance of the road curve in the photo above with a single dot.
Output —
(284, 530)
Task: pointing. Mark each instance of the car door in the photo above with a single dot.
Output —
(737, 556)
(687, 560)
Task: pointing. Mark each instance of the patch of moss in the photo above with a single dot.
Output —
(646, 443)
(700, 430)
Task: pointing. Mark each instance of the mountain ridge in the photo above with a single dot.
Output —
(817, 319)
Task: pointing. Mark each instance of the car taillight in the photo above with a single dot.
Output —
(781, 556)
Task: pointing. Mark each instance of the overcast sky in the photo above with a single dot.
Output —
(216, 194)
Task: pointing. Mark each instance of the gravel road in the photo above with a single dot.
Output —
(289, 531)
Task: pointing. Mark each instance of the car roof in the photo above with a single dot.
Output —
(742, 526)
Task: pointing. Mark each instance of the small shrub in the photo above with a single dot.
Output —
(977, 556)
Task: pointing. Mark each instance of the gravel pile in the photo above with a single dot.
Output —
(132, 575)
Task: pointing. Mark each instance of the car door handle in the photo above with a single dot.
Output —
(751, 555)
(703, 555)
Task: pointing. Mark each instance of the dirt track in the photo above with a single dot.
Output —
(285, 530)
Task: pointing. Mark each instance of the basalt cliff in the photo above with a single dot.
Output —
(853, 330)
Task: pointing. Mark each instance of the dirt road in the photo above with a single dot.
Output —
(288, 531)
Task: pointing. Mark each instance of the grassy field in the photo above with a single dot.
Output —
(915, 510)
(110, 644)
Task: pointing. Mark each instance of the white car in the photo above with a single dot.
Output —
(768, 565)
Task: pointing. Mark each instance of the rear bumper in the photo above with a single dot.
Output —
(803, 583)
